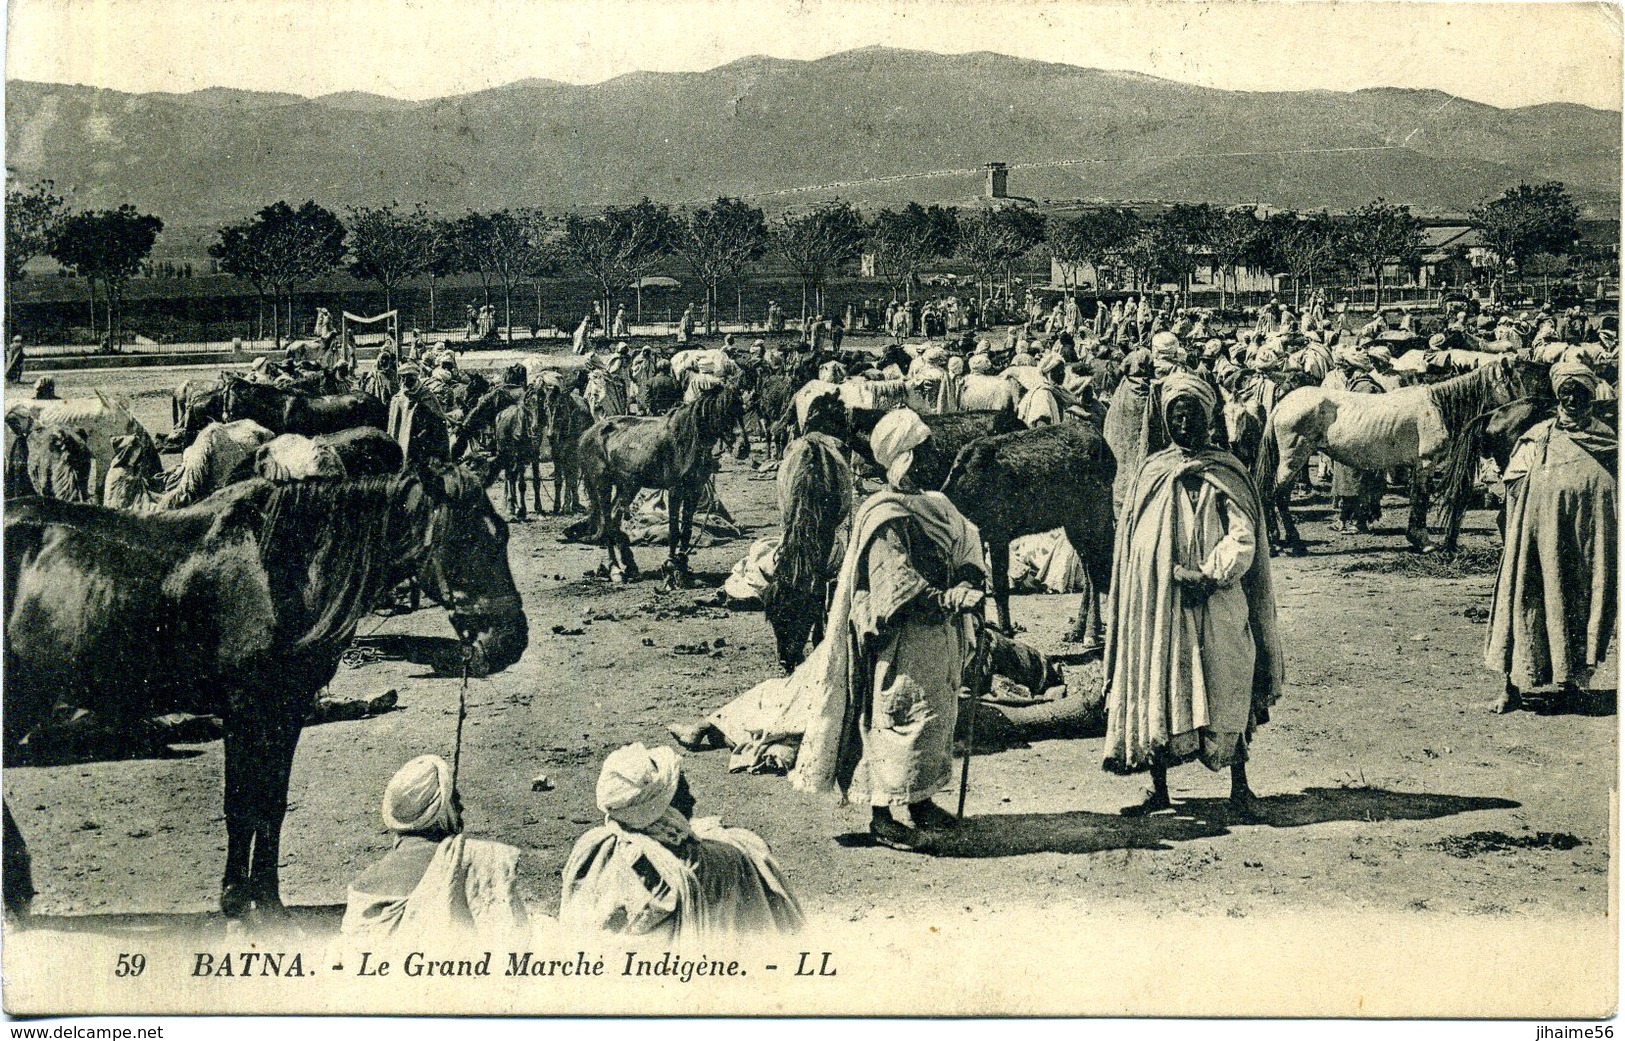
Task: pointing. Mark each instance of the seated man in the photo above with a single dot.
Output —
(435, 882)
(652, 870)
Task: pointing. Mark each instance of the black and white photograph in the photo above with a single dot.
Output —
(879, 508)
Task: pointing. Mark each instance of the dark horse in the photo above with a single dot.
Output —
(239, 606)
(815, 497)
(194, 405)
(621, 455)
(509, 425)
(1032, 481)
(950, 432)
(288, 412)
(767, 397)
(568, 417)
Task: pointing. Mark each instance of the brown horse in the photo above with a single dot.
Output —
(239, 606)
(815, 499)
(621, 455)
(568, 417)
(1031, 481)
(509, 425)
(289, 412)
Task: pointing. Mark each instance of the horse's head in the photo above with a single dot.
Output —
(466, 569)
(233, 389)
(1522, 378)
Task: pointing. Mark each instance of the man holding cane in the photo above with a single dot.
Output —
(898, 635)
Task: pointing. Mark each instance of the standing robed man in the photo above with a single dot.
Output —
(1193, 659)
(896, 640)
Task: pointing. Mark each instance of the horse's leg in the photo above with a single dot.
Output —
(1282, 504)
(264, 877)
(536, 484)
(17, 879)
(1093, 546)
(1295, 453)
(1416, 529)
(242, 774)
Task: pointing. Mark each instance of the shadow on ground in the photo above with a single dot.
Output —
(1084, 831)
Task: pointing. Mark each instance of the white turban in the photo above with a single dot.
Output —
(419, 799)
(1166, 344)
(1185, 385)
(895, 437)
(981, 363)
(636, 784)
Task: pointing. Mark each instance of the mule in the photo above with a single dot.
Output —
(239, 606)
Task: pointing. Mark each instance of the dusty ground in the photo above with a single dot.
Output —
(1379, 762)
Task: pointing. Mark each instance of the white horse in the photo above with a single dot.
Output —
(1420, 427)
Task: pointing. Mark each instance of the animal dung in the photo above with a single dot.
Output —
(541, 783)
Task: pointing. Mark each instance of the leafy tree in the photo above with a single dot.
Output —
(438, 256)
(905, 240)
(1380, 234)
(33, 216)
(616, 246)
(280, 249)
(815, 243)
(992, 241)
(1528, 220)
(107, 246)
(386, 246)
(718, 241)
(1306, 247)
(500, 246)
(1092, 237)
(1235, 239)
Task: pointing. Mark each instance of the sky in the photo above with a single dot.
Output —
(1504, 54)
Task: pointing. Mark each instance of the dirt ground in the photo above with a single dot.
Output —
(1387, 786)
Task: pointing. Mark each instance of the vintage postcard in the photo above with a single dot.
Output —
(854, 507)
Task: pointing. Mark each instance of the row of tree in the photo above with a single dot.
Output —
(283, 247)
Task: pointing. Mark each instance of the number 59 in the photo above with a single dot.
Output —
(130, 965)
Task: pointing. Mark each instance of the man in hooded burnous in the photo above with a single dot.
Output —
(897, 637)
(1193, 658)
(1557, 591)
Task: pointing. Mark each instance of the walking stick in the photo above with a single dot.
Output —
(979, 662)
(462, 713)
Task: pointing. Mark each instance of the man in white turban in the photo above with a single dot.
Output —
(435, 883)
(894, 646)
(653, 869)
(1193, 659)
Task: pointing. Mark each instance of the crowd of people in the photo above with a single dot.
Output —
(1192, 656)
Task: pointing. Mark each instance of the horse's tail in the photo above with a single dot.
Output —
(1267, 459)
(813, 512)
(1457, 475)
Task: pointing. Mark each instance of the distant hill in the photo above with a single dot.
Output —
(857, 124)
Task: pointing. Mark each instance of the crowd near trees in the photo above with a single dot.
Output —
(1529, 230)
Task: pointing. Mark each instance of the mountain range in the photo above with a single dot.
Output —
(874, 126)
